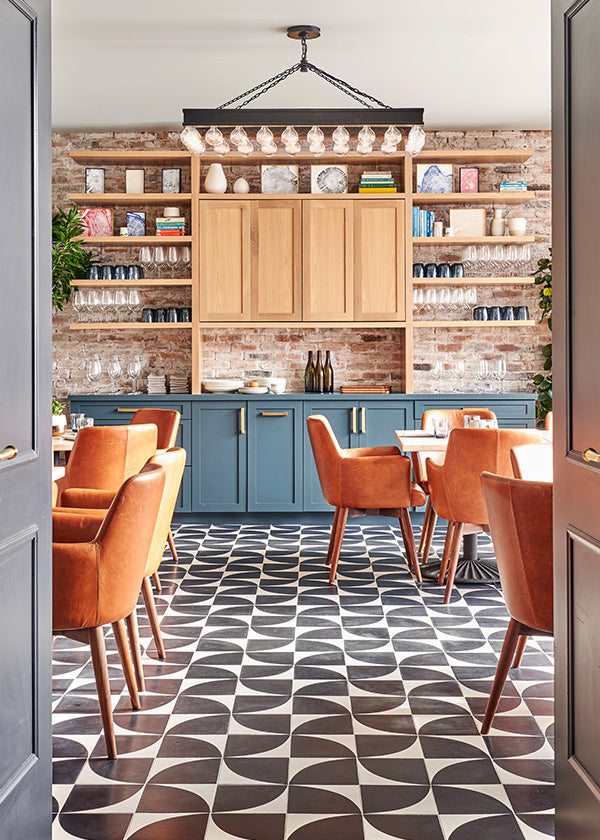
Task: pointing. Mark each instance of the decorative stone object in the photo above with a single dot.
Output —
(215, 181)
(241, 186)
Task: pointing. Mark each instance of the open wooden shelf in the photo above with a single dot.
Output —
(474, 156)
(133, 283)
(505, 197)
(477, 324)
(128, 156)
(288, 196)
(261, 325)
(136, 199)
(135, 240)
(472, 240)
(473, 281)
(130, 325)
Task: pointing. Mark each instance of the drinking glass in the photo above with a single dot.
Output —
(470, 297)
(172, 257)
(133, 301)
(93, 371)
(186, 256)
(482, 376)
(121, 303)
(458, 299)
(77, 301)
(92, 303)
(159, 257)
(147, 259)
(524, 256)
(500, 373)
(445, 301)
(441, 427)
(470, 257)
(458, 372)
(430, 300)
(134, 369)
(512, 259)
(76, 421)
(496, 257)
(106, 302)
(437, 371)
(484, 256)
(417, 297)
(114, 371)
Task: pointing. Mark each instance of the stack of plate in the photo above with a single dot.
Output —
(178, 384)
(222, 386)
(157, 384)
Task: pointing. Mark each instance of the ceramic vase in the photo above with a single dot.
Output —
(215, 181)
(497, 226)
(241, 186)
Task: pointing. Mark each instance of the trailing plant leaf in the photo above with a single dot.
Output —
(543, 383)
(70, 260)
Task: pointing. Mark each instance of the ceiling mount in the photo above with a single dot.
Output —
(304, 33)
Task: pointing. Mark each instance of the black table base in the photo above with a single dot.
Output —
(471, 569)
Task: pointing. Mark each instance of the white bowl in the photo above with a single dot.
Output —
(517, 226)
(222, 386)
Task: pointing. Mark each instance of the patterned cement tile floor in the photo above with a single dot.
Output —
(288, 708)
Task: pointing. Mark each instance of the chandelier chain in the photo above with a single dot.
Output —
(261, 88)
(346, 88)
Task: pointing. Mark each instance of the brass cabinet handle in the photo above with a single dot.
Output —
(8, 453)
(242, 421)
(354, 420)
(363, 420)
(126, 410)
(591, 455)
(274, 413)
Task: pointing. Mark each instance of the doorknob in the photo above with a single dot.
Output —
(8, 453)
(591, 455)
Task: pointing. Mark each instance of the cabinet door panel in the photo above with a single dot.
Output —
(224, 260)
(379, 422)
(219, 468)
(379, 274)
(327, 232)
(275, 456)
(276, 261)
(340, 415)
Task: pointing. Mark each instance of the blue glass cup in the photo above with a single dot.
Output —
(134, 272)
(431, 270)
(521, 313)
(443, 270)
(120, 272)
(148, 315)
(457, 270)
(418, 270)
(183, 314)
(161, 316)
(480, 313)
(507, 313)
(171, 315)
(106, 272)
(493, 313)
(93, 272)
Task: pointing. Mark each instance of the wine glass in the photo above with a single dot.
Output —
(93, 371)
(430, 300)
(437, 371)
(186, 256)
(458, 299)
(172, 257)
(133, 301)
(147, 259)
(159, 257)
(78, 301)
(134, 369)
(92, 301)
(114, 371)
(470, 297)
(470, 257)
(458, 372)
(120, 303)
(444, 299)
(106, 302)
(418, 297)
(500, 373)
(482, 375)
(484, 258)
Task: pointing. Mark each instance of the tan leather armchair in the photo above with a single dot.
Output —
(455, 487)
(92, 586)
(523, 545)
(533, 462)
(548, 422)
(456, 420)
(363, 482)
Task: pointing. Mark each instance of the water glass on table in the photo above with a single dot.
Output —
(441, 427)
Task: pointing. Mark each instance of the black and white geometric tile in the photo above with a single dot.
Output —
(289, 709)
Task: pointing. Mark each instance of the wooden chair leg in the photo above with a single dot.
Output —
(134, 645)
(337, 543)
(96, 642)
(334, 525)
(446, 552)
(153, 617)
(172, 546)
(508, 648)
(426, 516)
(157, 583)
(126, 663)
(519, 651)
(453, 559)
(432, 522)
(409, 542)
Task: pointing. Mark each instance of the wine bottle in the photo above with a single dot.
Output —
(318, 374)
(309, 373)
(327, 374)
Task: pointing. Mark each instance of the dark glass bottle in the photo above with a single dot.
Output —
(318, 374)
(327, 374)
(309, 373)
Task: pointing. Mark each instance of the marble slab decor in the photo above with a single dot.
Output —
(289, 709)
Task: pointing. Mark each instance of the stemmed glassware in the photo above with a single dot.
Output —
(160, 257)
(438, 372)
(500, 373)
(93, 371)
(120, 303)
(186, 256)
(114, 371)
(444, 299)
(172, 257)
(78, 301)
(133, 301)
(106, 302)
(482, 376)
(418, 297)
(430, 299)
(134, 370)
(458, 372)
(147, 259)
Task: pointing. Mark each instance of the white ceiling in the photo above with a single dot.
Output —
(134, 64)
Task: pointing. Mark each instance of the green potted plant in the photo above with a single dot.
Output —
(70, 260)
(59, 419)
(543, 381)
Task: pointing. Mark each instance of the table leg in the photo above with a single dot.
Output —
(471, 569)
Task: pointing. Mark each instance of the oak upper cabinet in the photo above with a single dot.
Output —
(327, 238)
(276, 234)
(224, 260)
(379, 260)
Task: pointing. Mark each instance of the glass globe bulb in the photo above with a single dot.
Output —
(289, 136)
(315, 135)
(238, 135)
(268, 148)
(214, 136)
(317, 149)
(192, 140)
(392, 135)
(223, 147)
(246, 148)
(415, 141)
(293, 148)
(388, 148)
(364, 148)
(264, 135)
(366, 134)
(341, 148)
(340, 136)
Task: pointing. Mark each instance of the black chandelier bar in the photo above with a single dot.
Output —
(325, 117)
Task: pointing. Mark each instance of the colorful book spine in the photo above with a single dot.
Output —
(415, 221)
(377, 189)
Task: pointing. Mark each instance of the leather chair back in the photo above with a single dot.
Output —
(520, 517)
(455, 486)
(166, 421)
(98, 582)
(328, 456)
(548, 422)
(173, 464)
(533, 462)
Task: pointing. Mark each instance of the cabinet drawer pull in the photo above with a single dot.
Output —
(127, 410)
(363, 420)
(274, 413)
(242, 421)
(354, 420)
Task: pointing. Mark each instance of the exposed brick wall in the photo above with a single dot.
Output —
(359, 355)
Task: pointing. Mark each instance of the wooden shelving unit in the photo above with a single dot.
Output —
(127, 199)
(505, 197)
(474, 156)
(476, 324)
(131, 283)
(128, 157)
(472, 240)
(135, 240)
(473, 281)
(129, 325)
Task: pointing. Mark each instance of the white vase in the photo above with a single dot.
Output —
(497, 226)
(241, 186)
(215, 181)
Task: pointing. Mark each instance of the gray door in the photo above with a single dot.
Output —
(25, 550)
(576, 186)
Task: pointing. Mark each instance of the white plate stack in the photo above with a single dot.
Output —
(222, 386)
(157, 383)
(178, 384)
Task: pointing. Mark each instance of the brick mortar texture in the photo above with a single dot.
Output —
(359, 355)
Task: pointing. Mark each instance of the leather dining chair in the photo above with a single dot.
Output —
(364, 481)
(101, 459)
(456, 420)
(93, 586)
(523, 547)
(548, 422)
(166, 421)
(532, 462)
(455, 487)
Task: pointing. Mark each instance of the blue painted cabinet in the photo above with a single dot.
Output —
(343, 416)
(219, 449)
(275, 456)
(378, 421)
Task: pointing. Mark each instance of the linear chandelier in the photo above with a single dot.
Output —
(372, 113)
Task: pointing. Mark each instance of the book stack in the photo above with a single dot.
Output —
(377, 182)
(170, 226)
(178, 384)
(513, 186)
(156, 384)
(422, 222)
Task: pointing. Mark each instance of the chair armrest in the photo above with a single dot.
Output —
(437, 489)
(83, 497)
(74, 585)
(370, 451)
(75, 525)
(382, 481)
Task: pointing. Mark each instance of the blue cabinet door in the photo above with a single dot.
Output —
(219, 442)
(274, 456)
(343, 416)
(377, 422)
